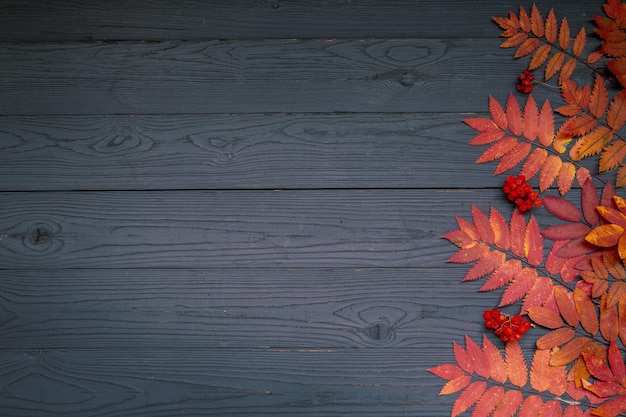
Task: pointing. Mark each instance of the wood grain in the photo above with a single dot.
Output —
(239, 308)
(331, 228)
(66, 20)
(209, 382)
(240, 152)
(285, 76)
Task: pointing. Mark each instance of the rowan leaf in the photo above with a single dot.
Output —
(519, 287)
(539, 57)
(509, 404)
(550, 27)
(517, 228)
(447, 371)
(500, 229)
(524, 20)
(514, 116)
(591, 143)
(565, 178)
(478, 358)
(599, 98)
(620, 178)
(515, 40)
(564, 34)
(545, 130)
(616, 362)
(516, 367)
(549, 172)
(579, 125)
(570, 351)
(597, 367)
(503, 275)
(616, 116)
(470, 253)
(468, 397)
(482, 124)
(485, 265)
(562, 209)
(486, 137)
(545, 317)
(554, 65)
(566, 231)
(621, 319)
(589, 201)
(612, 215)
(579, 42)
(536, 22)
(551, 408)
(531, 119)
(534, 162)
(606, 235)
(613, 156)
(533, 243)
(497, 150)
(456, 385)
(488, 401)
(463, 359)
(497, 113)
(531, 407)
(565, 301)
(615, 292)
(540, 370)
(555, 338)
(586, 311)
(482, 225)
(497, 365)
(608, 319)
(513, 157)
(540, 292)
(567, 70)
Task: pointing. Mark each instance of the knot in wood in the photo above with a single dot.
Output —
(380, 332)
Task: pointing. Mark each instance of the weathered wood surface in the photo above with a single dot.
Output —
(284, 76)
(67, 20)
(235, 208)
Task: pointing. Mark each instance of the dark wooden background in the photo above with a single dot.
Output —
(214, 208)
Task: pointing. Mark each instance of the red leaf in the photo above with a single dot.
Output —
(509, 404)
(483, 124)
(536, 22)
(549, 172)
(503, 275)
(611, 408)
(564, 34)
(565, 302)
(513, 157)
(478, 358)
(481, 222)
(486, 265)
(566, 231)
(526, 47)
(500, 229)
(599, 98)
(497, 113)
(497, 150)
(616, 362)
(534, 163)
(555, 338)
(565, 178)
(516, 364)
(570, 351)
(608, 319)
(531, 119)
(447, 371)
(551, 408)
(555, 263)
(539, 57)
(540, 292)
(554, 65)
(579, 42)
(469, 254)
(551, 27)
(521, 285)
(516, 233)
(545, 317)
(616, 117)
(468, 397)
(533, 243)
(589, 202)
(463, 358)
(455, 385)
(567, 70)
(562, 209)
(488, 402)
(514, 116)
(597, 367)
(531, 407)
(586, 311)
(497, 366)
(545, 131)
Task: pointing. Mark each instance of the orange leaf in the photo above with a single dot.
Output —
(519, 287)
(516, 364)
(540, 292)
(469, 397)
(570, 351)
(500, 229)
(586, 311)
(481, 124)
(567, 70)
(533, 243)
(549, 172)
(551, 408)
(486, 137)
(488, 402)
(539, 57)
(545, 317)
(605, 236)
(545, 130)
(615, 292)
(599, 98)
(526, 47)
(485, 265)
(564, 38)
(611, 408)
(497, 150)
(540, 370)
(621, 319)
(551, 27)
(554, 65)
(565, 301)
(524, 20)
(517, 227)
(612, 215)
(455, 385)
(497, 366)
(514, 116)
(513, 157)
(469, 254)
(616, 117)
(463, 358)
(555, 338)
(616, 362)
(592, 143)
(566, 176)
(579, 42)
(613, 155)
(608, 319)
(614, 265)
(515, 40)
(620, 178)
(579, 125)
(534, 162)
(503, 275)
(476, 355)
(497, 113)
(536, 22)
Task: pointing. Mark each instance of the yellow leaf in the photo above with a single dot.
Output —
(606, 235)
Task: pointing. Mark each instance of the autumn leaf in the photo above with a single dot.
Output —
(606, 235)
(468, 397)
(516, 364)
(545, 317)
(555, 338)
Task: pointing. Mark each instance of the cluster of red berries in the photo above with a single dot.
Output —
(521, 193)
(525, 82)
(507, 328)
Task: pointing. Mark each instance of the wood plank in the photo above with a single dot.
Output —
(240, 308)
(66, 20)
(240, 152)
(285, 76)
(328, 228)
(206, 382)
